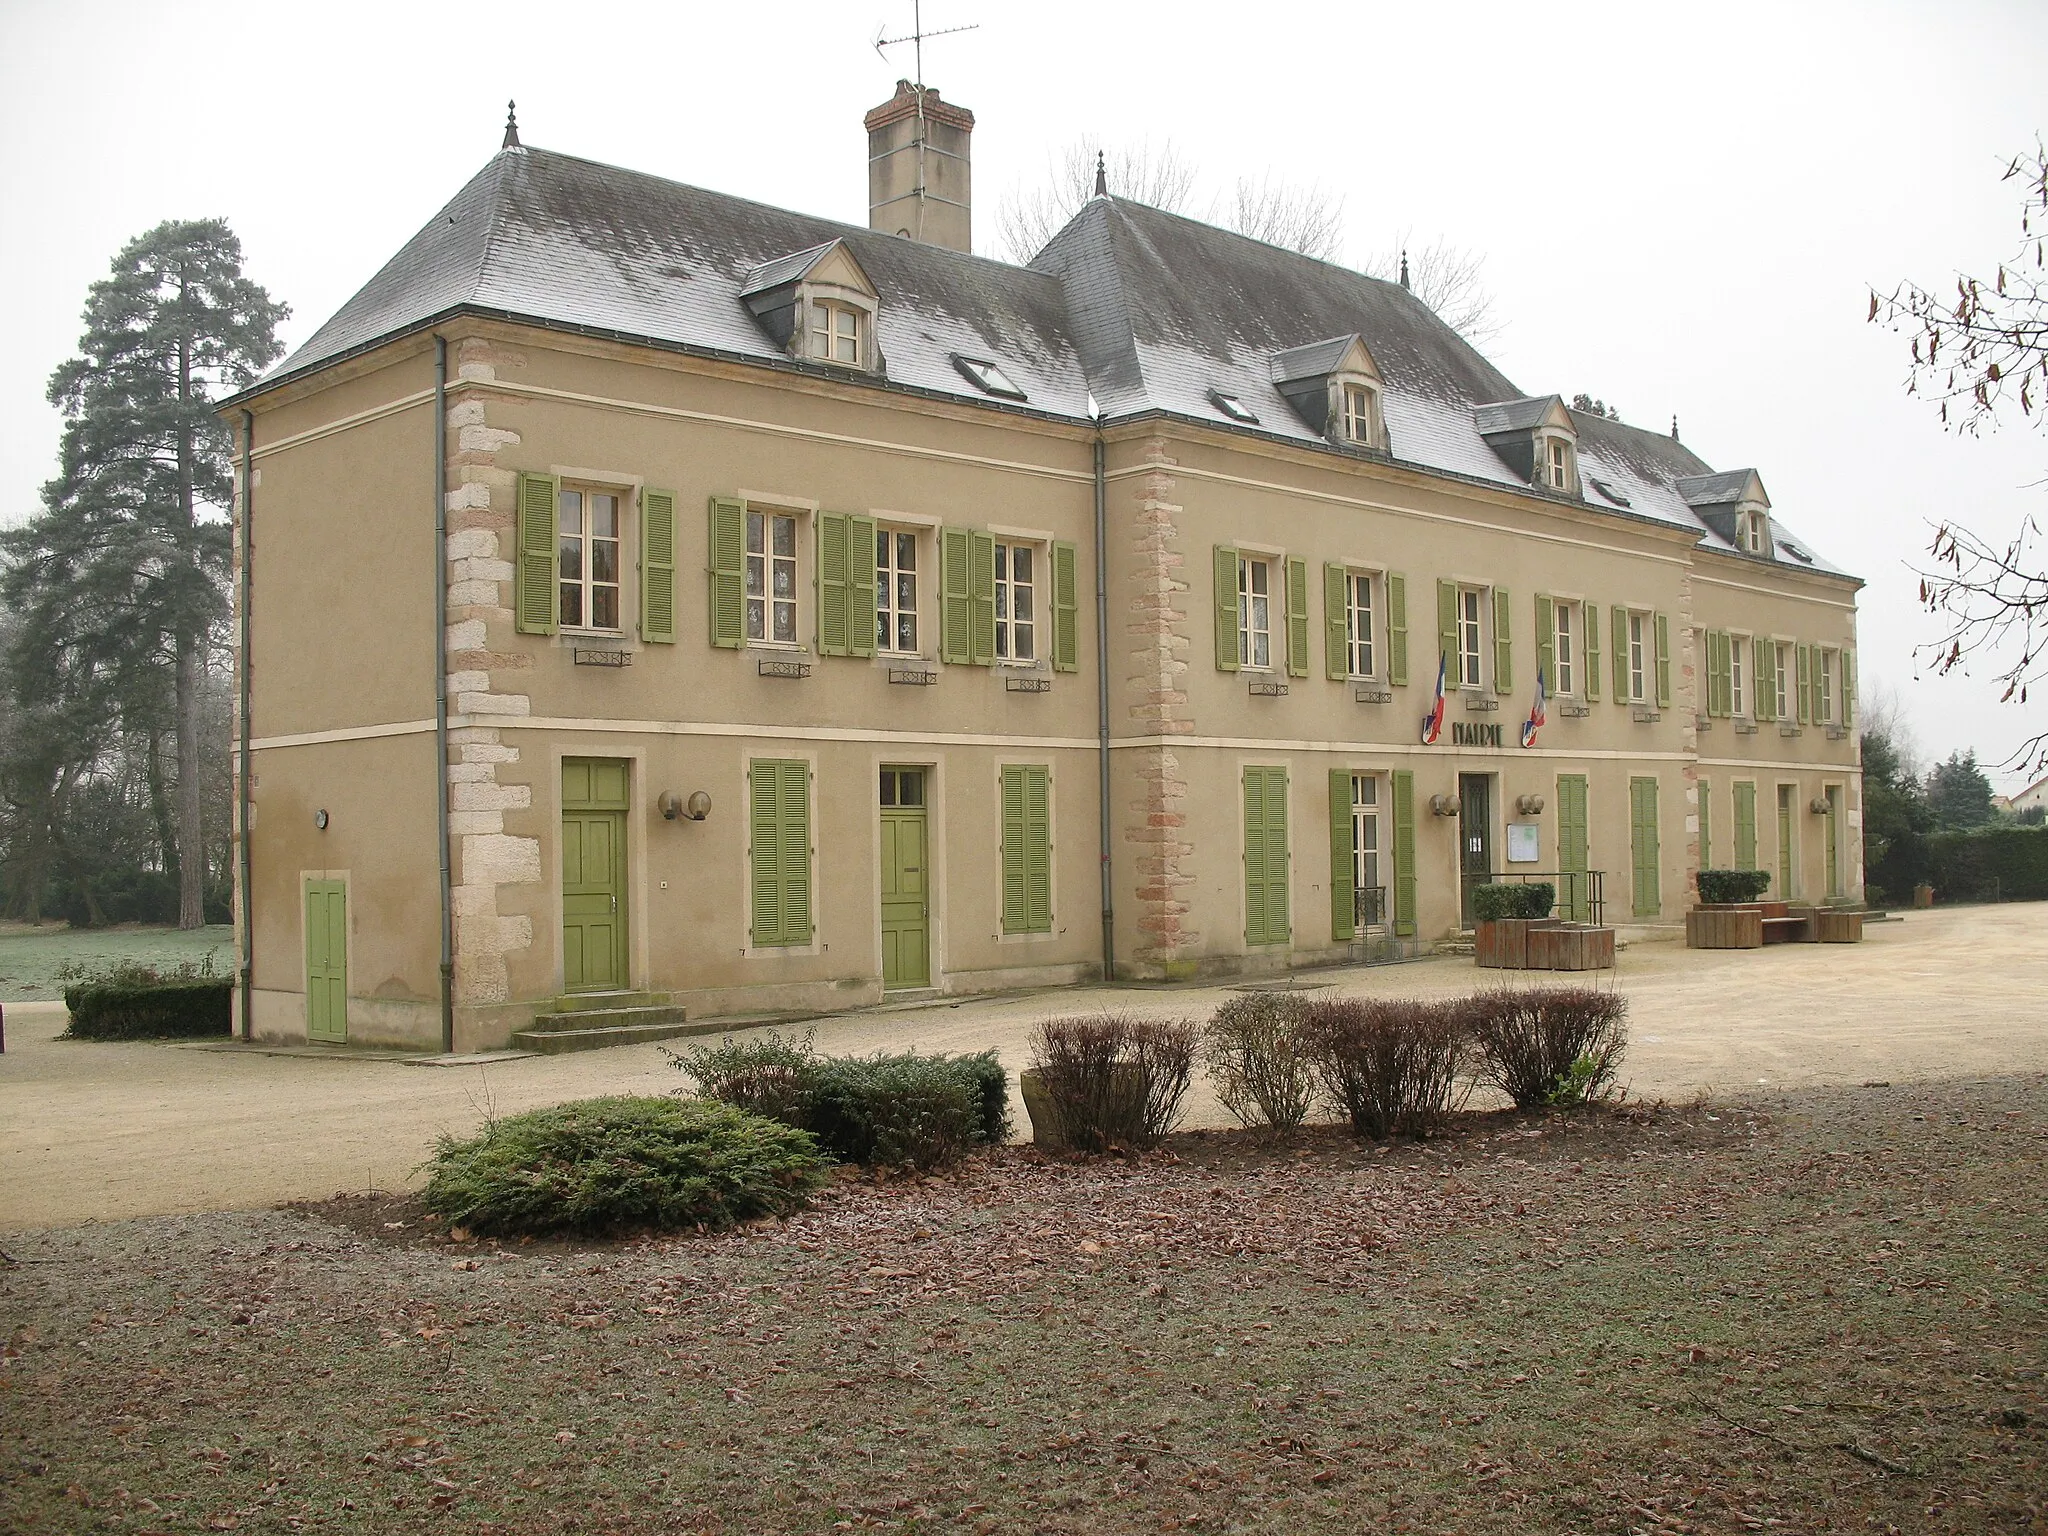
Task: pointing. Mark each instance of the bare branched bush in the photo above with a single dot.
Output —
(1448, 278)
(1115, 1081)
(1391, 1064)
(1257, 1058)
(1556, 1046)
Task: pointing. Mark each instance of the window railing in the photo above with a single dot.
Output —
(1579, 891)
(1369, 907)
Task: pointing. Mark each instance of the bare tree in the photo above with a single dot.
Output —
(1446, 277)
(1158, 177)
(1978, 355)
(1298, 218)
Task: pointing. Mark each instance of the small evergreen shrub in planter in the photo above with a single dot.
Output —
(1391, 1064)
(1512, 899)
(138, 1002)
(1112, 1081)
(1258, 1060)
(1732, 887)
(603, 1166)
(1548, 1045)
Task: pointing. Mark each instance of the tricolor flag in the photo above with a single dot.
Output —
(1535, 721)
(1433, 722)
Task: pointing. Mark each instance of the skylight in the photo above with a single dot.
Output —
(988, 377)
(1233, 407)
(1608, 491)
(1795, 552)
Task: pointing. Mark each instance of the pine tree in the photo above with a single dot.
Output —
(1959, 794)
(121, 562)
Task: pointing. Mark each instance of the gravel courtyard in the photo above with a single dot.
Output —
(99, 1132)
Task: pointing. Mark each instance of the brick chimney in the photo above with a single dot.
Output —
(918, 183)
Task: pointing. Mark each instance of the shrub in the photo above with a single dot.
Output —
(1729, 887)
(1258, 1060)
(1513, 899)
(1115, 1081)
(1391, 1064)
(902, 1110)
(186, 1008)
(611, 1165)
(1548, 1045)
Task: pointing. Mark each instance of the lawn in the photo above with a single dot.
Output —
(30, 958)
(1817, 1313)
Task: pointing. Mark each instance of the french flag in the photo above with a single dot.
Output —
(1535, 721)
(1433, 722)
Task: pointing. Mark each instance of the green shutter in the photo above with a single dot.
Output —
(1619, 634)
(860, 586)
(658, 567)
(1802, 698)
(1343, 900)
(1404, 853)
(1266, 918)
(832, 615)
(1644, 863)
(1336, 622)
(1546, 642)
(982, 595)
(1225, 566)
(779, 828)
(1663, 637)
(1848, 688)
(1066, 608)
(1397, 629)
(1027, 848)
(1589, 640)
(1706, 823)
(956, 597)
(1503, 642)
(1745, 825)
(1447, 631)
(1574, 895)
(1715, 644)
(728, 547)
(536, 602)
(1297, 618)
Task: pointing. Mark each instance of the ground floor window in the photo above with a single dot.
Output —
(1266, 916)
(1027, 848)
(779, 851)
(1370, 895)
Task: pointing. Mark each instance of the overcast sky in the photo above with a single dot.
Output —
(1680, 208)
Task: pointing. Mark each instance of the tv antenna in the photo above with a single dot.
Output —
(915, 37)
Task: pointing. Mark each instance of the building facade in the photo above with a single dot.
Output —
(817, 612)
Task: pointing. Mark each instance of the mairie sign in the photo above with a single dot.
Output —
(1475, 733)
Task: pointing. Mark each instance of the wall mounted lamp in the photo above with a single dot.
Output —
(1529, 805)
(696, 808)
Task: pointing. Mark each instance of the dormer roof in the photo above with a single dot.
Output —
(829, 262)
(1320, 359)
(1503, 417)
(1730, 487)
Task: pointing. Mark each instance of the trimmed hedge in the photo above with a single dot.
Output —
(1989, 864)
(1732, 887)
(163, 1010)
(1513, 899)
(611, 1165)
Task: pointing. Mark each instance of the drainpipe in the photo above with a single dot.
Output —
(1102, 710)
(441, 690)
(242, 766)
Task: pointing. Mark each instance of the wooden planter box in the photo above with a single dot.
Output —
(1503, 944)
(1787, 924)
(1725, 927)
(1570, 947)
(1835, 926)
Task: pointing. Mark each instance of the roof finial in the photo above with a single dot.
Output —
(1404, 266)
(1101, 175)
(511, 126)
(1674, 426)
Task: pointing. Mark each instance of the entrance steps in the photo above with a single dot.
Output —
(590, 1021)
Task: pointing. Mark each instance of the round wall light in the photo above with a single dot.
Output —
(320, 819)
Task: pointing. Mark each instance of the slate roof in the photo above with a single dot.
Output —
(1128, 308)
(1715, 490)
(1513, 415)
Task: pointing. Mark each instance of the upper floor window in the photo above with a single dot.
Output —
(587, 526)
(1824, 686)
(1781, 669)
(1752, 532)
(896, 590)
(1638, 654)
(836, 332)
(1471, 605)
(1558, 466)
(1359, 413)
(1738, 675)
(1358, 622)
(1565, 648)
(1254, 612)
(1016, 602)
(771, 577)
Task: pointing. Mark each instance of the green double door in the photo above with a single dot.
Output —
(906, 880)
(327, 961)
(1574, 894)
(594, 915)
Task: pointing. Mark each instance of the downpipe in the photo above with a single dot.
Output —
(1102, 709)
(243, 774)
(441, 691)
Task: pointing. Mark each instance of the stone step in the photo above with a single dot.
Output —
(623, 1016)
(586, 1002)
(554, 1042)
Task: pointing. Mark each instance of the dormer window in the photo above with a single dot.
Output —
(1361, 415)
(1560, 465)
(818, 305)
(836, 332)
(1752, 534)
(1334, 387)
(1535, 439)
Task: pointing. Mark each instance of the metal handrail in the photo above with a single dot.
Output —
(1368, 906)
(1572, 884)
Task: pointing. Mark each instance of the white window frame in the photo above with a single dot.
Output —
(769, 561)
(848, 328)
(1365, 813)
(1557, 465)
(1740, 648)
(1752, 531)
(1565, 647)
(1361, 652)
(1252, 637)
(1781, 679)
(1473, 653)
(1359, 405)
(586, 584)
(1639, 656)
(1824, 686)
(1007, 586)
(888, 611)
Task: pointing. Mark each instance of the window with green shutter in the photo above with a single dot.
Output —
(535, 576)
(727, 544)
(1503, 642)
(1343, 866)
(1644, 860)
(1336, 622)
(1225, 569)
(779, 837)
(1066, 608)
(1027, 848)
(1297, 618)
(1849, 689)
(967, 597)
(1802, 687)
(1447, 632)
(658, 567)
(1663, 627)
(981, 593)
(1397, 629)
(1707, 824)
(1546, 643)
(1266, 917)
(1404, 852)
(1619, 635)
(1745, 824)
(846, 584)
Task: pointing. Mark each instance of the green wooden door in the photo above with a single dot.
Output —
(1574, 897)
(1745, 825)
(1644, 862)
(594, 915)
(906, 882)
(327, 961)
(1267, 918)
(1834, 818)
(1475, 837)
(1787, 887)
